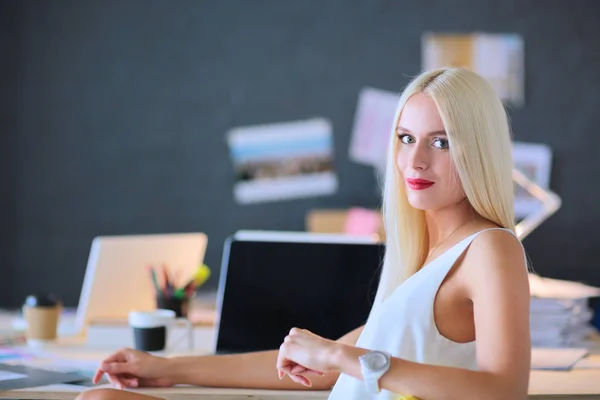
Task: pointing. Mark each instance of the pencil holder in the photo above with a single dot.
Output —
(179, 305)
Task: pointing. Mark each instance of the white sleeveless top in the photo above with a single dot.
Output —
(404, 326)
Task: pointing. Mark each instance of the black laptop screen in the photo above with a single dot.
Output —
(269, 287)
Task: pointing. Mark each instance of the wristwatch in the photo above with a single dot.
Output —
(373, 365)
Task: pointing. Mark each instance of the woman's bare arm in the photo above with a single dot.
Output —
(499, 289)
(255, 370)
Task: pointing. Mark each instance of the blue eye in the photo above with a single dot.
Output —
(406, 139)
(441, 143)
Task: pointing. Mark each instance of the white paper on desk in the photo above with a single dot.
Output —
(560, 289)
(64, 387)
(590, 362)
(68, 365)
(7, 375)
(556, 358)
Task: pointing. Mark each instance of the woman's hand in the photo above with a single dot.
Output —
(305, 354)
(128, 368)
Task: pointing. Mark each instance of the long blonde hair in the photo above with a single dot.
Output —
(478, 132)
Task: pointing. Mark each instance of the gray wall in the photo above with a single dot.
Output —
(123, 106)
(9, 63)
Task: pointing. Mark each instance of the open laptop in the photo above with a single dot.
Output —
(117, 279)
(273, 281)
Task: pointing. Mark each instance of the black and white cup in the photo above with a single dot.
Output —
(151, 329)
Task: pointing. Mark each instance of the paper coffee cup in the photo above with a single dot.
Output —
(42, 314)
(150, 328)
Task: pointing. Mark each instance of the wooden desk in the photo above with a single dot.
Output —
(64, 392)
(544, 385)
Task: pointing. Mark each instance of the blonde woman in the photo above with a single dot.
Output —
(451, 315)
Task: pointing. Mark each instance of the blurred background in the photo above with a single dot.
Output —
(114, 117)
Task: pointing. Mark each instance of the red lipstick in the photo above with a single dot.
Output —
(419, 184)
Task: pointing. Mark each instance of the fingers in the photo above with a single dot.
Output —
(282, 361)
(310, 372)
(300, 370)
(285, 366)
(298, 331)
(297, 373)
(301, 380)
(97, 376)
(115, 368)
(119, 374)
(123, 381)
(130, 382)
(297, 369)
(119, 356)
(296, 377)
(115, 381)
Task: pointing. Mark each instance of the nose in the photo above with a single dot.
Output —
(418, 157)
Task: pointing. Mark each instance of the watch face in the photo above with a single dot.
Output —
(376, 360)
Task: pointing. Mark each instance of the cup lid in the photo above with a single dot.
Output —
(42, 300)
(151, 319)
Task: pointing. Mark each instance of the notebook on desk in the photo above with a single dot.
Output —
(271, 282)
(21, 376)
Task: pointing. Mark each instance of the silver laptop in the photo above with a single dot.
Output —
(117, 279)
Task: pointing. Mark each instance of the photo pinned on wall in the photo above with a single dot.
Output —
(282, 161)
(533, 160)
(373, 123)
(497, 57)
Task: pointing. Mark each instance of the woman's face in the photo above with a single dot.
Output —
(423, 156)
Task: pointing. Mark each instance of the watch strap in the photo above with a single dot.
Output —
(372, 383)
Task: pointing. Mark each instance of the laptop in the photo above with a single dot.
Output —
(117, 280)
(273, 281)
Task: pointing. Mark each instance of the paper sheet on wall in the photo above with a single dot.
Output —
(373, 124)
(497, 57)
(282, 161)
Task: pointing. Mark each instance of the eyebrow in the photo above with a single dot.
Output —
(434, 133)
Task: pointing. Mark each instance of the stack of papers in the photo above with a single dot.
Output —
(560, 314)
(556, 359)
